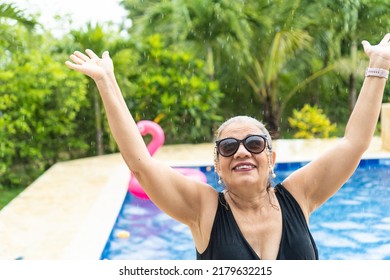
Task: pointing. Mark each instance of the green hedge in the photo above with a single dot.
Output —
(39, 103)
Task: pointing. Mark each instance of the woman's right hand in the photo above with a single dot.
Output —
(379, 54)
(91, 65)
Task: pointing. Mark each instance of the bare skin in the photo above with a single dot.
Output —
(194, 203)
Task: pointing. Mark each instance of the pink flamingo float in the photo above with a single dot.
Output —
(149, 127)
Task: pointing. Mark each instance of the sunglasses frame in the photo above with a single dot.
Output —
(263, 136)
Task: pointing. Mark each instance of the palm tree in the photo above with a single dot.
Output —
(358, 18)
(339, 39)
(280, 40)
(267, 40)
(10, 11)
(267, 70)
(209, 27)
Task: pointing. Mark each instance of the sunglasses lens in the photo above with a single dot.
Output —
(228, 147)
(255, 144)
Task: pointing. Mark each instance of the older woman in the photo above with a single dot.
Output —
(250, 219)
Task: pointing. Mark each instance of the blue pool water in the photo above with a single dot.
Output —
(353, 224)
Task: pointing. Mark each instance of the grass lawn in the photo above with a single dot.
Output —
(6, 195)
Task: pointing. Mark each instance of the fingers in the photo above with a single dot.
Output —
(366, 45)
(385, 39)
(72, 65)
(76, 58)
(91, 54)
(105, 54)
(81, 56)
(84, 62)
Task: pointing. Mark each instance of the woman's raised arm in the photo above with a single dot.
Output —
(171, 191)
(320, 179)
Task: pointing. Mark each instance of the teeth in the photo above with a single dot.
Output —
(244, 167)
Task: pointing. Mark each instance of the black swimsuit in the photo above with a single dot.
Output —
(228, 243)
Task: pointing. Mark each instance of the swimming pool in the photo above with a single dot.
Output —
(353, 224)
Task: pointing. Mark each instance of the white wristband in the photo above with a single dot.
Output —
(377, 72)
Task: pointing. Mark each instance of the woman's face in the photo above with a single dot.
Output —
(243, 169)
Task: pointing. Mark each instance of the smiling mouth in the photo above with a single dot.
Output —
(244, 167)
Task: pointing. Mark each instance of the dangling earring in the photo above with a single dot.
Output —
(219, 181)
(271, 169)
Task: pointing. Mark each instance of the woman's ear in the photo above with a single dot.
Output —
(271, 163)
(273, 158)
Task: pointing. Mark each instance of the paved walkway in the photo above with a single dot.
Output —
(68, 212)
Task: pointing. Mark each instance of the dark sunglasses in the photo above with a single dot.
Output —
(253, 143)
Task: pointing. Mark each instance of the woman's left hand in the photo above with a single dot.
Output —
(379, 55)
(91, 65)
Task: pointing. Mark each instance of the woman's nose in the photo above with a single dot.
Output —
(242, 151)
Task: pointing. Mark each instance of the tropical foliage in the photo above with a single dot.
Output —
(310, 122)
(39, 106)
(270, 53)
(173, 90)
(187, 65)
